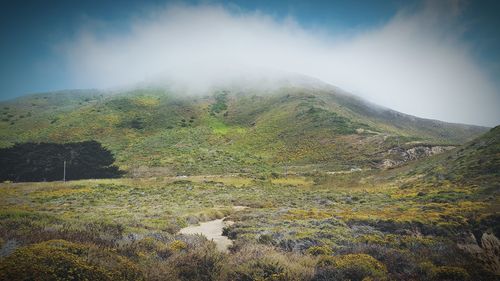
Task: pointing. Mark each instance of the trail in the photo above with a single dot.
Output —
(213, 231)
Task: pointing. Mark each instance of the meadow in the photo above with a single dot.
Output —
(360, 226)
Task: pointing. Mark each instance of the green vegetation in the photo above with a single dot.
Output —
(154, 132)
(475, 162)
(351, 267)
(283, 166)
(46, 162)
(349, 226)
(62, 260)
(220, 103)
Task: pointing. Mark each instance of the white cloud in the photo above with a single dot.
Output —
(416, 63)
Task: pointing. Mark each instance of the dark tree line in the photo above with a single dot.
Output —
(45, 162)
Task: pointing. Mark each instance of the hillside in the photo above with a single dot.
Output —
(160, 131)
(475, 163)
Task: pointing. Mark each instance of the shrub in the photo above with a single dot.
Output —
(177, 245)
(145, 249)
(29, 227)
(264, 269)
(266, 239)
(319, 250)
(220, 103)
(355, 267)
(259, 262)
(449, 273)
(399, 263)
(63, 260)
(204, 263)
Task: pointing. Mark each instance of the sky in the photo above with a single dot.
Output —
(433, 59)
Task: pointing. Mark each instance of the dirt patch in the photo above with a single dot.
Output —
(213, 231)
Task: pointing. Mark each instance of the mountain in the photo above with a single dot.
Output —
(297, 127)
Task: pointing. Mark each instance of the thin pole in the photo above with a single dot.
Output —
(64, 174)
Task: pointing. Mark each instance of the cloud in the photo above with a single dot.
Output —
(415, 63)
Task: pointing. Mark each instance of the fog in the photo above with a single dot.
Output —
(416, 62)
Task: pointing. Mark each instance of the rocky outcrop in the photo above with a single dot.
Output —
(399, 155)
(487, 250)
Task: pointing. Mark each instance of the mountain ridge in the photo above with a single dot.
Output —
(228, 129)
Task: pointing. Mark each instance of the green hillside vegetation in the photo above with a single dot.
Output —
(477, 162)
(280, 164)
(226, 131)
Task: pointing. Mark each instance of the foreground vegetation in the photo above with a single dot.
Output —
(314, 227)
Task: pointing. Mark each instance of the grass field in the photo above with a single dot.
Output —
(308, 221)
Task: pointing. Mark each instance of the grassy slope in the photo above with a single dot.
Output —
(477, 161)
(251, 131)
(474, 163)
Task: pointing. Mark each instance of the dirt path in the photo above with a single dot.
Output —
(213, 231)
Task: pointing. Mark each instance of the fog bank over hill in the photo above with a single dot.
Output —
(415, 63)
(243, 79)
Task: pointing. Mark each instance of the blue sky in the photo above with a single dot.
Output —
(35, 36)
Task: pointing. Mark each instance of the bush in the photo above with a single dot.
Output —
(319, 250)
(449, 273)
(265, 269)
(400, 264)
(354, 267)
(148, 246)
(266, 239)
(27, 227)
(204, 263)
(220, 103)
(177, 245)
(258, 262)
(63, 260)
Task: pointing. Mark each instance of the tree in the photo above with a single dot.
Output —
(44, 161)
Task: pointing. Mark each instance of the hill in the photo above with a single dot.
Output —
(475, 163)
(290, 127)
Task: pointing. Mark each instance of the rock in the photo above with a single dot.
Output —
(488, 250)
(9, 247)
(491, 255)
(399, 155)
